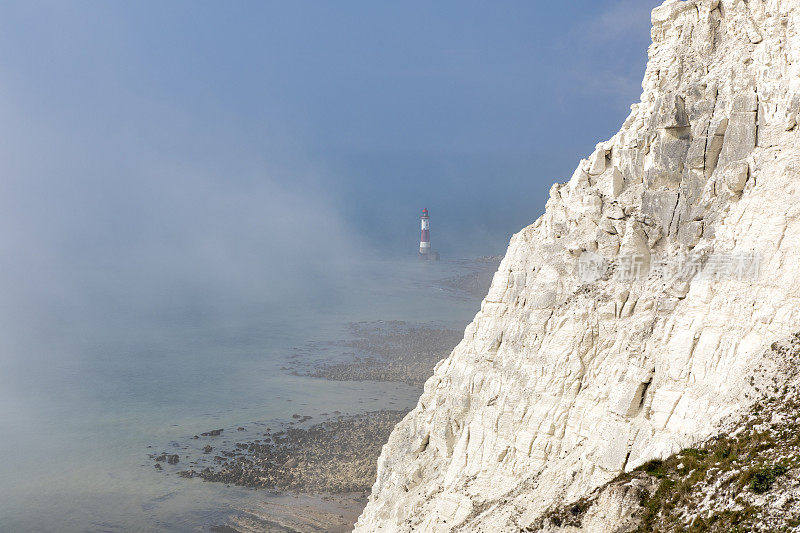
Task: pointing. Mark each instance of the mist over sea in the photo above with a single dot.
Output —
(127, 367)
(149, 295)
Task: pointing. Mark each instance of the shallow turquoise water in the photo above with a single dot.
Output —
(79, 411)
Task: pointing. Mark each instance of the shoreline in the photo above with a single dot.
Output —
(385, 351)
(335, 456)
(302, 513)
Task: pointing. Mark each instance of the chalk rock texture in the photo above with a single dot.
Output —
(589, 355)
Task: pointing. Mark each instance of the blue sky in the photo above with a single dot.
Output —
(168, 135)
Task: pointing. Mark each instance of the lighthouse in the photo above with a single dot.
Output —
(425, 236)
(425, 251)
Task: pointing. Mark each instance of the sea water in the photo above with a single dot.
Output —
(79, 414)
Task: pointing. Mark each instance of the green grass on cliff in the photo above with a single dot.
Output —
(747, 480)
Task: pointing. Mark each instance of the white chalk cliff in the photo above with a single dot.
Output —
(562, 382)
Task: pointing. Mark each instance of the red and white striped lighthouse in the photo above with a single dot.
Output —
(425, 236)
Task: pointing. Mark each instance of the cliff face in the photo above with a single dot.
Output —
(624, 323)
